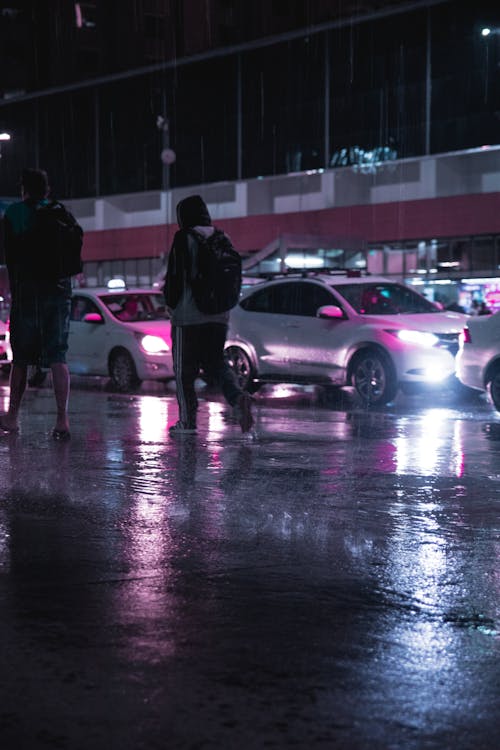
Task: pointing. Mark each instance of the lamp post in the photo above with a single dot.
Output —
(487, 32)
(167, 157)
(3, 137)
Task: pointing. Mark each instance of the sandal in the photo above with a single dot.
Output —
(61, 435)
(8, 430)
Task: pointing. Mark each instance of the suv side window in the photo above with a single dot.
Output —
(311, 297)
(279, 299)
(261, 301)
(290, 298)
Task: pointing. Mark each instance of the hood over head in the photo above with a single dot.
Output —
(192, 211)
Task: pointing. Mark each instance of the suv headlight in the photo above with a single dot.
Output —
(153, 344)
(420, 338)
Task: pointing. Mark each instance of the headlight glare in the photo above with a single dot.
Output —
(154, 344)
(419, 338)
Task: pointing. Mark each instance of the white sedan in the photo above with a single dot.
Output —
(121, 333)
(478, 359)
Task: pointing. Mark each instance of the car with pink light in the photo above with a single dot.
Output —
(478, 357)
(342, 329)
(120, 333)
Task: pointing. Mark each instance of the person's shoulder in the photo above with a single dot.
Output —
(14, 209)
(20, 216)
(180, 241)
(181, 236)
(221, 233)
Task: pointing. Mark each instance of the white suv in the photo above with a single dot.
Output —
(336, 330)
(478, 359)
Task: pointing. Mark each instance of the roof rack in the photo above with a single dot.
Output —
(353, 273)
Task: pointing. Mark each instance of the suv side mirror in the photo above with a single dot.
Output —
(330, 311)
(93, 317)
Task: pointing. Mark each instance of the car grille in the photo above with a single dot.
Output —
(448, 341)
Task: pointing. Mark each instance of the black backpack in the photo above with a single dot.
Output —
(58, 240)
(217, 284)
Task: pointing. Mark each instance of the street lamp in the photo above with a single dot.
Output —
(487, 31)
(3, 137)
(167, 157)
(167, 154)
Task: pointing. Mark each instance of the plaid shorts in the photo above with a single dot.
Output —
(39, 322)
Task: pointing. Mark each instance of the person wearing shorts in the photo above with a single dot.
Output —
(40, 310)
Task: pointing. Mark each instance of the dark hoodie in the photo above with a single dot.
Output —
(192, 213)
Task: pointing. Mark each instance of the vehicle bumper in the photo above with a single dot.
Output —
(469, 373)
(431, 366)
(155, 368)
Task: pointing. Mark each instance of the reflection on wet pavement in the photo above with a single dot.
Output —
(332, 582)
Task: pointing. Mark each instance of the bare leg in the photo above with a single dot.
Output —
(18, 377)
(60, 381)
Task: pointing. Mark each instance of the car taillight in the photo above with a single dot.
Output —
(464, 337)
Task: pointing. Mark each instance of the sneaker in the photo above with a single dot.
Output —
(243, 412)
(181, 428)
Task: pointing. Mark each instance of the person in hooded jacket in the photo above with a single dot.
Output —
(198, 338)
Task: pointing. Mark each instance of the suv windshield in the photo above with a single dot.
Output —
(135, 306)
(384, 299)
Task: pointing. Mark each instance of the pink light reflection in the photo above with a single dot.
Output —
(78, 16)
(153, 418)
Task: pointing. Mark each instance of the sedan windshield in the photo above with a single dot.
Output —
(384, 299)
(132, 307)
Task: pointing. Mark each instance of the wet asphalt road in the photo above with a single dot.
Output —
(332, 583)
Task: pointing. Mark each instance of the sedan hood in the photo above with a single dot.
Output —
(151, 327)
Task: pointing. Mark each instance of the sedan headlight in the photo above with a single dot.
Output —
(419, 338)
(153, 344)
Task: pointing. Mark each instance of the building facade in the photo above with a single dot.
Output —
(362, 135)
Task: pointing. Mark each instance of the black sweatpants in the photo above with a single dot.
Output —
(196, 348)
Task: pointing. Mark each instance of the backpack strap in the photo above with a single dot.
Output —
(193, 240)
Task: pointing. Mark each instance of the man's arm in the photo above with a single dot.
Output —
(9, 242)
(177, 272)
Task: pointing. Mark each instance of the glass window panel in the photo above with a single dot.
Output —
(144, 272)
(378, 90)
(465, 90)
(22, 150)
(90, 272)
(130, 143)
(130, 272)
(66, 147)
(202, 106)
(483, 254)
(283, 108)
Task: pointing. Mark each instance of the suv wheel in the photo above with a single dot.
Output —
(493, 388)
(122, 371)
(240, 364)
(374, 378)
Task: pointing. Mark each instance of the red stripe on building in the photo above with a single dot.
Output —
(405, 220)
